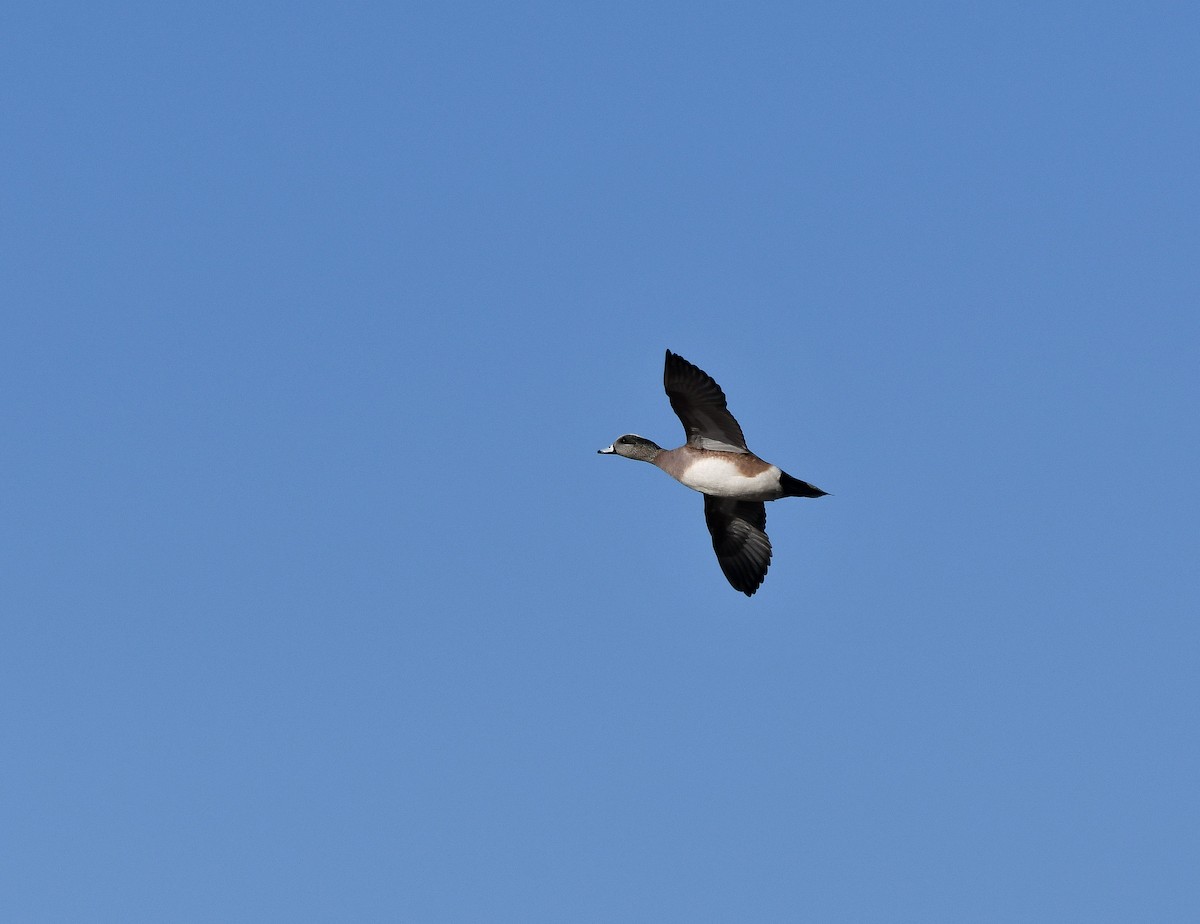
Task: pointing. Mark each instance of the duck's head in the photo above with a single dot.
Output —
(632, 446)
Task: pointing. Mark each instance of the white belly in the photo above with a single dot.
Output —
(722, 479)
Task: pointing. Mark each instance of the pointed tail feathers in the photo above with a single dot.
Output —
(794, 487)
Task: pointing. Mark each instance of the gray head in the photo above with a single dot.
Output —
(632, 446)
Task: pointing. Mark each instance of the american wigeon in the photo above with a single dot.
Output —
(716, 462)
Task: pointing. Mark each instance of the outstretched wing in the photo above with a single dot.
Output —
(699, 402)
(740, 540)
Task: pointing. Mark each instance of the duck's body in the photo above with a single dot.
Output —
(723, 474)
(716, 462)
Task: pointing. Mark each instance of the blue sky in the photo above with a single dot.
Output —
(318, 603)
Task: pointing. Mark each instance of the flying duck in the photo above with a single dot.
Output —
(716, 462)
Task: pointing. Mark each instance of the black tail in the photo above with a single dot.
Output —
(794, 487)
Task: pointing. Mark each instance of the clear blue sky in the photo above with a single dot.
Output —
(318, 603)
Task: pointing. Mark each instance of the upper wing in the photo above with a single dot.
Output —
(739, 538)
(699, 402)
